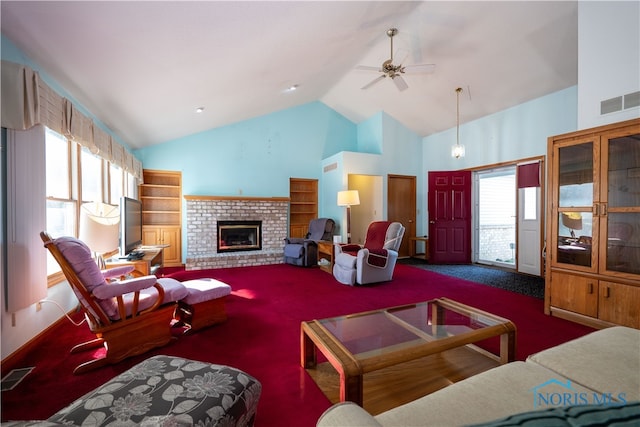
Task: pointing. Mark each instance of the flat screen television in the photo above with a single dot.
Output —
(130, 225)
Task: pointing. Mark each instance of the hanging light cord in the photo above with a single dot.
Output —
(458, 90)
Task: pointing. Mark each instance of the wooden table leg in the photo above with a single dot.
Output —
(508, 347)
(351, 388)
(308, 357)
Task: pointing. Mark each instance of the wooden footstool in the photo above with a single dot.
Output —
(204, 305)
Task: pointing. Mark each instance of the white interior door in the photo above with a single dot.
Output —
(529, 223)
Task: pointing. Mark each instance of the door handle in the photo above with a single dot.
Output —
(432, 222)
(603, 209)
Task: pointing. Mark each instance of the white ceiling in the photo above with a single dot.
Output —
(143, 67)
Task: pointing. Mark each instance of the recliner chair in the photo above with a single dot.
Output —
(374, 261)
(128, 317)
(303, 251)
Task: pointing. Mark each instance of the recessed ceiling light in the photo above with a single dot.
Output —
(291, 88)
(199, 109)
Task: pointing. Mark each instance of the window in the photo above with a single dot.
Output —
(75, 176)
(116, 176)
(531, 203)
(61, 209)
(91, 166)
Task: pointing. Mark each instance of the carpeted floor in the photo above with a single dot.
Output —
(262, 336)
(524, 284)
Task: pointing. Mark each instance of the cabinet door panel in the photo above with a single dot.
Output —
(172, 253)
(619, 304)
(574, 293)
(151, 236)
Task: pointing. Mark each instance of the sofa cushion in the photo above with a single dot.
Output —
(496, 393)
(606, 361)
(572, 416)
(347, 414)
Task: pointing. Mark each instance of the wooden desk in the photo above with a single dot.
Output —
(412, 247)
(148, 264)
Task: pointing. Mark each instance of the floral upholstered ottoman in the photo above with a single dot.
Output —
(172, 391)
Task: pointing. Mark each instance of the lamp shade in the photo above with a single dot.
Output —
(348, 198)
(572, 220)
(99, 226)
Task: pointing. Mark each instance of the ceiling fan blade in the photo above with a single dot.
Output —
(368, 68)
(420, 68)
(400, 83)
(374, 81)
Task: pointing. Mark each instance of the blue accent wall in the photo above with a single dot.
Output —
(255, 157)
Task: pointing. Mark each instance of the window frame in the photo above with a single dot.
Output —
(74, 152)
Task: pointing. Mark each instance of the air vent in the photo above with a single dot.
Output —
(14, 378)
(611, 105)
(632, 100)
(330, 167)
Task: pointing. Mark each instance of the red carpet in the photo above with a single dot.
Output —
(262, 336)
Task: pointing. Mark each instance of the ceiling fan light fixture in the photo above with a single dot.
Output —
(389, 69)
(457, 150)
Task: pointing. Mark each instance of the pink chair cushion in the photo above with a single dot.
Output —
(201, 290)
(78, 255)
(173, 291)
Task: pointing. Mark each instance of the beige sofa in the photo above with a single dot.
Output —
(601, 368)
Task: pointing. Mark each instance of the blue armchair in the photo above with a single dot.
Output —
(303, 251)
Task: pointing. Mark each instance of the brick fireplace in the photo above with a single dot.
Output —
(203, 215)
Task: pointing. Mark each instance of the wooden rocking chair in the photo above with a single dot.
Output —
(128, 317)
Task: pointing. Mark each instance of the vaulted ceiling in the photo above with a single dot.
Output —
(143, 67)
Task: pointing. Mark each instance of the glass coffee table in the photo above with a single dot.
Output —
(356, 344)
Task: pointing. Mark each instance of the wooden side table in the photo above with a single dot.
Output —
(149, 264)
(325, 251)
(412, 247)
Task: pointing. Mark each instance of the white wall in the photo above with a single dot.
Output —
(608, 59)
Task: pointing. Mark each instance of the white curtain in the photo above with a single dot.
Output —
(26, 209)
(19, 96)
(78, 127)
(27, 100)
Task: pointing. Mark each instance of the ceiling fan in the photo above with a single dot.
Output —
(392, 71)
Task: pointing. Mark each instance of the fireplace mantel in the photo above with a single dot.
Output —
(245, 198)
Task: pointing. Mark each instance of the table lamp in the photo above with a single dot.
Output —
(348, 198)
(573, 221)
(99, 228)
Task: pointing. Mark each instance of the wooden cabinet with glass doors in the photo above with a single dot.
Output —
(593, 227)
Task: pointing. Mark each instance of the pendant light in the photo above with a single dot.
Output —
(457, 150)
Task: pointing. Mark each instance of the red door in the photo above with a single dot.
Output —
(449, 201)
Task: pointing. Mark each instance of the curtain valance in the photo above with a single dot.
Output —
(27, 101)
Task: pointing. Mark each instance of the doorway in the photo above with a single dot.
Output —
(508, 216)
(370, 207)
(495, 217)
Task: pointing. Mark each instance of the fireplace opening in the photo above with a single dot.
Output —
(236, 236)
